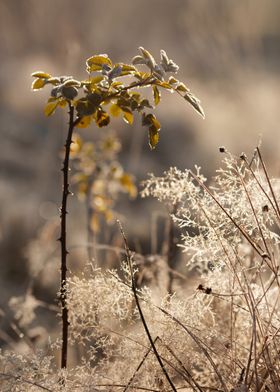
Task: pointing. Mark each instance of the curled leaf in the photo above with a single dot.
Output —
(150, 61)
(138, 60)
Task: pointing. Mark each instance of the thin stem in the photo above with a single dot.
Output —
(134, 290)
(62, 239)
(90, 233)
(171, 250)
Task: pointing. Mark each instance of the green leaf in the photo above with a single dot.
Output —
(195, 102)
(156, 95)
(38, 84)
(50, 108)
(95, 63)
(41, 75)
(127, 115)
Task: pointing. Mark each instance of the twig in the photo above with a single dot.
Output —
(133, 286)
(18, 378)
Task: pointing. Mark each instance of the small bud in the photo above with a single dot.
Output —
(265, 208)
(243, 156)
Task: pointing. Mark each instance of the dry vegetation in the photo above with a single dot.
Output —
(187, 297)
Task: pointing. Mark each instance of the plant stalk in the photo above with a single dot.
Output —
(62, 239)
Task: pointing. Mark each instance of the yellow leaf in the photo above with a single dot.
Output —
(156, 95)
(127, 115)
(95, 63)
(41, 75)
(182, 88)
(62, 103)
(163, 84)
(153, 136)
(172, 80)
(102, 119)
(127, 182)
(38, 84)
(115, 110)
(72, 83)
(116, 84)
(50, 108)
(84, 122)
(127, 69)
(150, 120)
(155, 122)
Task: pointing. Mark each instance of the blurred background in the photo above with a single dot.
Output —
(229, 56)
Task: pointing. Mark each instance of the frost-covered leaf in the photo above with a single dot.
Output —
(195, 102)
(41, 75)
(95, 63)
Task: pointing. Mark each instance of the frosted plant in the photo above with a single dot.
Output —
(231, 233)
(224, 336)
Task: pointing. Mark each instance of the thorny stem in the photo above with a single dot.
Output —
(62, 239)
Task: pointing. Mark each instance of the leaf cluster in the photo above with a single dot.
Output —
(99, 176)
(113, 90)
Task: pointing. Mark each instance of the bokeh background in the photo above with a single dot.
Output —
(229, 56)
